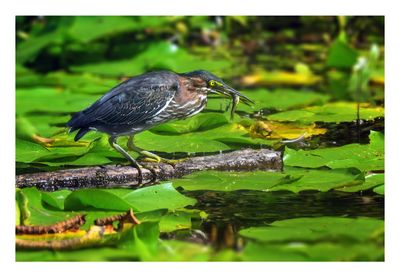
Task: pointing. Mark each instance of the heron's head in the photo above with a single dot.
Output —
(213, 84)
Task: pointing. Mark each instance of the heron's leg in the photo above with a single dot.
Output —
(134, 163)
(133, 147)
(152, 157)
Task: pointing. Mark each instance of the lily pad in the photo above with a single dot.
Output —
(317, 229)
(374, 180)
(31, 100)
(158, 197)
(54, 154)
(97, 199)
(175, 221)
(27, 152)
(175, 250)
(28, 49)
(37, 213)
(55, 199)
(380, 189)
(200, 122)
(228, 181)
(216, 139)
(144, 199)
(81, 28)
(316, 239)
(331, 112)
(324, 251)
(363, 157)
(291, 179)
(259, 252)
(320, 180)
(161, 55)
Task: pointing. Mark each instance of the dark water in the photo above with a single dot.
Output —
(254, 208)
(229, 212)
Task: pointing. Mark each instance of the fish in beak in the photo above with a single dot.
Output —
(232, 93)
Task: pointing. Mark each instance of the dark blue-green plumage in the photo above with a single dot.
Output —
(127, 107)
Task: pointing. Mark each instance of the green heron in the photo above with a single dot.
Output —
(147, 100)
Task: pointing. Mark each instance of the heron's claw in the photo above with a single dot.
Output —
(163, 160)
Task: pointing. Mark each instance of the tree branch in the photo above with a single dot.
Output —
(112, 176)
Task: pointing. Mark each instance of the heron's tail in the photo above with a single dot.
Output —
(78, 122)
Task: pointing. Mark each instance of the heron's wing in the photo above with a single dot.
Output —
(133, 101)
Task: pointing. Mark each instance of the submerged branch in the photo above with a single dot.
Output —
(72, 223)
(112, 176)
(93, 237)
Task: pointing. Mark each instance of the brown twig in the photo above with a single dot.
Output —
(127, 217)
(127, 176)
(59, 227)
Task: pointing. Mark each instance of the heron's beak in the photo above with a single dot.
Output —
(229, 92)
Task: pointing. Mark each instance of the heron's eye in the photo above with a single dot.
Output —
(212, 83)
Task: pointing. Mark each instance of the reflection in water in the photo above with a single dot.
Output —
(228, 212)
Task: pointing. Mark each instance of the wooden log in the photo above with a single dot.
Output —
(112, 176)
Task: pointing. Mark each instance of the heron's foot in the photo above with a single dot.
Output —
(153, 174)
(163, 160)
(140, 173)
(154, 158)
(173, 161)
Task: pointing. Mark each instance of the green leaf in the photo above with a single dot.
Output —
(363, 157)
(151, 216)
(143, 240)
(259, 252)
(79, 83)
(32, 152)
(17, 214)
(316, 239)
(24, 128)
(90, 254)
(291, 179)
(198, 123)
(95, 198)
(175, 221)
(373, 180)
(87, 159)
(380, 189)
(175, 250)
(36, 212)
(22, 208)
(229, 181)
(29, 49)
(321, 180)
(27, 152)
(316, 229)
(83, 29)
(324, 251)
(159, 55)
(203, 140)
(56, 198)
(158, 197)
(341, 55)
(32, 100)
(144, 199)
(331, 112)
